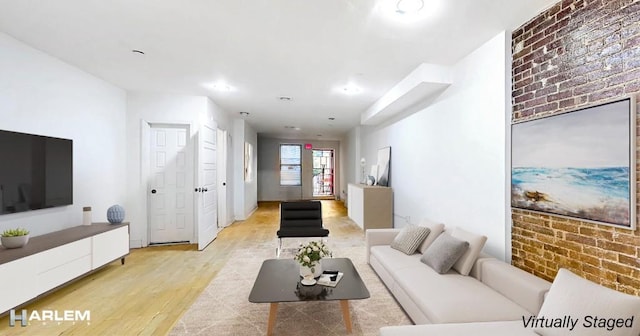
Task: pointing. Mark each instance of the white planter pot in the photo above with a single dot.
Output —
(14, 242)
(315, 270)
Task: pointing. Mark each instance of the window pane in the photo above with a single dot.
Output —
(290, 175)
(290, 154)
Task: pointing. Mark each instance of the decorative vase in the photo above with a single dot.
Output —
(14, 242)
(315, 270)
(86, 216)
(115, 214)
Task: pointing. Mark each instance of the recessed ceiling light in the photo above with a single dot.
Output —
(244, 114)
(409, 6)
(220, 86)
(351, 89)
(136, 51)
(285, 98)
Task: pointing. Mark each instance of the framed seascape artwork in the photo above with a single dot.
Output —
(580, 164)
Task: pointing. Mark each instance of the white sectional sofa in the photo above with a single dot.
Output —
(494, 299)
(504, 293)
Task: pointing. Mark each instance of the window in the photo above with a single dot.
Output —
(290, 165)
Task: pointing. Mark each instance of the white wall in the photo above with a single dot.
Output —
(159, 108)
(245, 192)
(43, 95)
(269, 188)
(448, 161)
(351, 169)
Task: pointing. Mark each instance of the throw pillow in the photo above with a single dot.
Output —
(409, 238)
(572, 297)
(444, 252)
(436, 230)
(476, 243)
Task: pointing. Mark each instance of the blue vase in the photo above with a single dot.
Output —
(115, 214)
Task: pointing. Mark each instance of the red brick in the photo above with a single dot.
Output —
(587, 52)
(606, 94)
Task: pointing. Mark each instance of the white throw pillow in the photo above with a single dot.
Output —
(573, 297)
(409, 238)
(476, 243)
(435, 230)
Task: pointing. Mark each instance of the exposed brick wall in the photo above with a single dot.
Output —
(577, 53)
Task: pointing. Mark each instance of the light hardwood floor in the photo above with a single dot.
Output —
(157, 285)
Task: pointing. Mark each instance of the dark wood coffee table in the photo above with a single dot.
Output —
(279, 281)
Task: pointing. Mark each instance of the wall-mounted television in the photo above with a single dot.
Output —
(36, 172)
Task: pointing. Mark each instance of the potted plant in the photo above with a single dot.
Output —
(14, 238)
(309, 258)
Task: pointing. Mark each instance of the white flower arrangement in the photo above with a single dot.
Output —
(309, 255)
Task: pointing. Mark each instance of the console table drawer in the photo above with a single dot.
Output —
(61, 255)
(63, 273)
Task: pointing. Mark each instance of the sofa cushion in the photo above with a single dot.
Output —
(444, 252)
(578, 298)
(476, 243)
(455, 298)
(435, 228)
(394, 260)
(523, 288)
(410, 238)
(503, 328)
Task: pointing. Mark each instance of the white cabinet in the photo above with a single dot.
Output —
(109, 246)
(371, 207)
(17, 282)
(53, 259)
(61, 264)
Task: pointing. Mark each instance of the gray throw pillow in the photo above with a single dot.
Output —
(443, 253)
(409, 238)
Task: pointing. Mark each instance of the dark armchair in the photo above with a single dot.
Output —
(300, 219)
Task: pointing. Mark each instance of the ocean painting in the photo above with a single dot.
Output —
(577, 164)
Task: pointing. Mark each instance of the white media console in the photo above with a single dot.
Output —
(54, 259)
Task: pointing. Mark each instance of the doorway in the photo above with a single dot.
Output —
(222, 153)
(323, 172)
(170, 184)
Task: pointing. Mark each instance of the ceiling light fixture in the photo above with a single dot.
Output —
(220, 87)
(332, 118)
(351, 89)
(409, 6)
(285, 98)
(136, 51)
(244, 114)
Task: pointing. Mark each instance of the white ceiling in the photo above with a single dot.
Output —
(304, 49)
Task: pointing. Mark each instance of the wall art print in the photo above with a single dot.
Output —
(579, 164)
(248, 161)
(384, 166)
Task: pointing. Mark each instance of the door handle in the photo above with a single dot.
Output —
(205, 189)
(153, 191)
(224, 183)
(198, 189)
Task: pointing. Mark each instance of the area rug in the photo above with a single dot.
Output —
(223, 307)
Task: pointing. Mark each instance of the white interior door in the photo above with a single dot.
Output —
(222, 178)
(171, 184)
(206, 190)
(230, 206)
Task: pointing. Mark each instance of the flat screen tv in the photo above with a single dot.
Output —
(36, 172)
